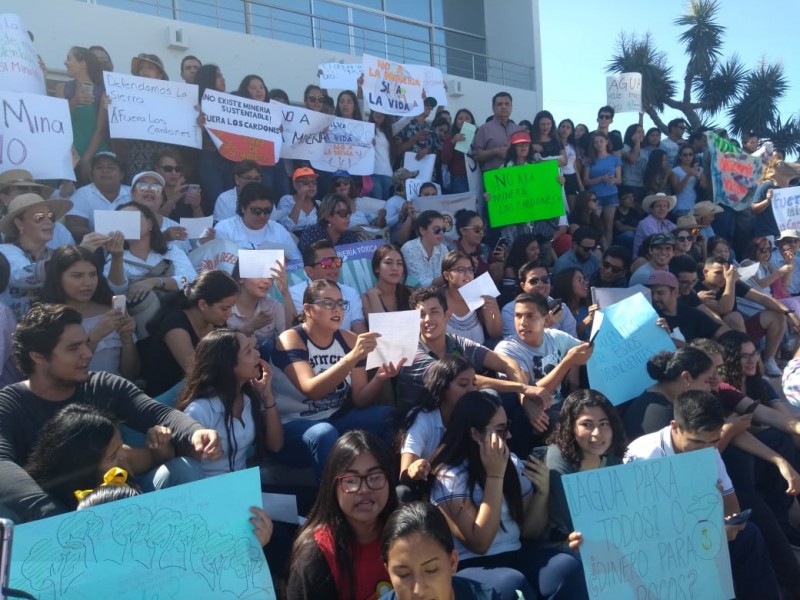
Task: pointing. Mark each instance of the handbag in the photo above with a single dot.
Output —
(145, 309)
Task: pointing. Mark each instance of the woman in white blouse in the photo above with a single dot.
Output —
(299, 210)
(424, 254)
(252, 227)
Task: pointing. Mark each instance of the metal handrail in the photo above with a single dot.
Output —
(320, 32)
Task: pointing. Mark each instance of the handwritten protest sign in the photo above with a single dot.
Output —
(303, 131)
(152, 109)
(448, 205)
(432, 82)
(348, 146)
(524, 193)
(414, 186)
(19, 63)
(652, 528)
(339, 76)
(36, 135)
(734, 173)
(243, 129)
(628, 338)
(189, 541)
(786, 207)
(624, 92)
(390, 87)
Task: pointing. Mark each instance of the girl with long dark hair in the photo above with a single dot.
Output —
(390, 293)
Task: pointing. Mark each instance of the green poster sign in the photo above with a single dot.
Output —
(525, 193)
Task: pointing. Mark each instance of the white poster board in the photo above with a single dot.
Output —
(390, 87)
(303, 131)
(348, 147)
(624, 92)
(339, 76)
(19, 63)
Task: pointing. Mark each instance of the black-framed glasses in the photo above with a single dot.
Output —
(38, 217)
(463, 270)
(438, 230)
(605, 116)
(502, 430)
(170, 168)
(587, 248)
(537, 280)
(149, 187)
(350, 484)
(315, 98)
(613, 268)
(329, 262)
(684, 238)
(258, 212)
(329, 304)
(342, 212)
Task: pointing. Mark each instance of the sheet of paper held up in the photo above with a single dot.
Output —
(424, 166)
(605, 297)
(596, 323)
(195, 227)
(480, 286)
(747, 272)
(468, 130)
(281, 507)
(258, 264)
(399, 337)
(128, 222)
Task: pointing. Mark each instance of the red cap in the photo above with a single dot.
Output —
(520, 137)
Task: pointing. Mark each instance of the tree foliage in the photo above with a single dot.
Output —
(713, 86)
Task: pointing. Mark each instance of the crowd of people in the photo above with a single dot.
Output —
(442, 475)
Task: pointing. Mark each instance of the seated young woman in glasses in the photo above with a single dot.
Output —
(337, 553)
(251, 227)
(333, 224)
(474, 324)
(424, 254)
(497, 505)
(321, 381)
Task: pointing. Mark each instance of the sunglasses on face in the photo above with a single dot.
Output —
(343, 213)
(766, 250)
(38, 217)
(476, 229)
(684, 238)
(330, 262)
(170, 169)
(586, 248)
(149, 187)
(315, 98)
(605, 117)
(438, 230)
(613, 268)
(545, 279)
(342, 182)
(258, 212)
(350, 484)
(306, 182)
(329, 304)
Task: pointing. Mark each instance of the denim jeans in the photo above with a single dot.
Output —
(381, 187)
(175, 471)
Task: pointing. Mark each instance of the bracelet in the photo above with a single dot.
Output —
(495, 477)
(273, 405)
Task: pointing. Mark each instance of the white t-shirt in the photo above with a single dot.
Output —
(88, 199)
(354, 312)
(567, 323)
(659, 443)
(425, 435)
(225, 206)
(210, 413)
(538, 362)
(234, 230)
(451, 484)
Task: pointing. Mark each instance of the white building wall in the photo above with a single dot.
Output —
(59, 24)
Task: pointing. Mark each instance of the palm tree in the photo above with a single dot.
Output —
(711, 83)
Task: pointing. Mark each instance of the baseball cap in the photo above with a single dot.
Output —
(659, 239)
(304, 172)
(662, 278)
(520, 137)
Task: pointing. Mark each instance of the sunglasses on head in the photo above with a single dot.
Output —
(170, 169)
(613, 268)
(329, 262)
(38, 217)
(258, 212)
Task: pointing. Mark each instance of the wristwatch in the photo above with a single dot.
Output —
(161, 283)
(788, 311)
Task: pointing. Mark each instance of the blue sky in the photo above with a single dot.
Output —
(579, 38)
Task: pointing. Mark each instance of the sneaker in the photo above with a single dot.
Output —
(771, 368)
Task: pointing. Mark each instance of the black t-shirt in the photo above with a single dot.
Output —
(647, 413)
(692, 323)
(23, 413)
(740, 290)
(690, 299)
(163, 370)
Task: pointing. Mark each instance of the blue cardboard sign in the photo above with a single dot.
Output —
(190, 541)
(652, 529)
(627, 339)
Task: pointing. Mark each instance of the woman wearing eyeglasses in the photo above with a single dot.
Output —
(180, 198)
(424, 254)
(251, 227)
(321, 380)
(457, 271)
(27, 228)
(337, 553)
(333, 224)
(684, 180)
(298, 211)
(497, 505)
(147, 188)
